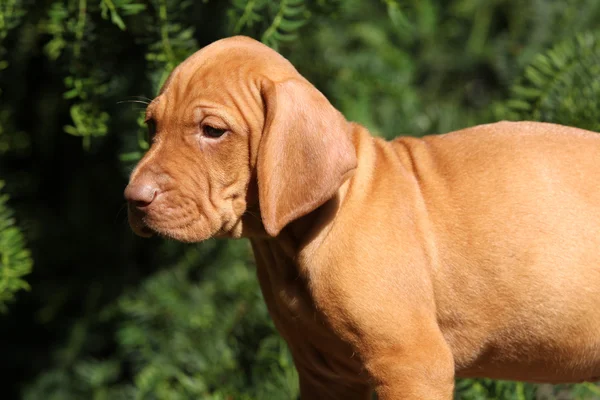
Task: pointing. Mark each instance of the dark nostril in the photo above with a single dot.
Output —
(140, 195)
(140, 203)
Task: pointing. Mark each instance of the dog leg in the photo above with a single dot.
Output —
(402, 347)
(421, 370)
(392, 326)
(316, 387)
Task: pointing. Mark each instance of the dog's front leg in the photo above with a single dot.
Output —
(422, 370)
(391, 325)
(405, 358)
(314, 386)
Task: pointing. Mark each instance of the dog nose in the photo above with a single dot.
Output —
(140, 195)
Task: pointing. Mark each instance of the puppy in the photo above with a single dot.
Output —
(395, 266)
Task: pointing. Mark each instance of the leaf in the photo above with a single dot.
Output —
(15, 258)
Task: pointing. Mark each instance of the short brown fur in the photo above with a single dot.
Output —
(394, 266)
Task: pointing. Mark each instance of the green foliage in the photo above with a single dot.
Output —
(72, 28)
(434, 66)
(11, 13)
(184, 333)
(561, 85)
(468, 389)
(286, 17)
(11, 139)
(483, 389)
(124, 318)
(15, 258)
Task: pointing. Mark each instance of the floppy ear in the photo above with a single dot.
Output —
(305, 152)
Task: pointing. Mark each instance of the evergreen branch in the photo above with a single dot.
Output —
(283, 22)
(114, 15)
(397, 17)
(164, 33)
(274, 25)
(544, 94)
(6, 10)
(248, 11)
(557, 86)
(80, 28)
(480, 29)
(15, 258)
(10, 15)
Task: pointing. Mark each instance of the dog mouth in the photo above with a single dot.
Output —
(138, 226)
(149, 223)
(145, 231)
(191, 231)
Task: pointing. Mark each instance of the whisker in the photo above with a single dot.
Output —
(124, 206)
(252, 214)
(145, 99)
(134, 101)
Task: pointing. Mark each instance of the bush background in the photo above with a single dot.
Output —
(106, 315)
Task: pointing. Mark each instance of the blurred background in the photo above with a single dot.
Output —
(88, 310)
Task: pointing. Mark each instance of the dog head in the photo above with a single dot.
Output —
(237, 133)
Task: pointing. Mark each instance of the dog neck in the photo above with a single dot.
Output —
(306, 231)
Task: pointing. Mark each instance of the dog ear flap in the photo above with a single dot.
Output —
(304, 155)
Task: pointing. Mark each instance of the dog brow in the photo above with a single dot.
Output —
(150, 107)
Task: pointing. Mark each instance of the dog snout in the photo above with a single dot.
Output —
(141, 194)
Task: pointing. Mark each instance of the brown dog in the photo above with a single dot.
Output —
(388, 265)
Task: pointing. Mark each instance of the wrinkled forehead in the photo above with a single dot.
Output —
(224, 71)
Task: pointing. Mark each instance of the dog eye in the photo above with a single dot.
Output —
(213, 132)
